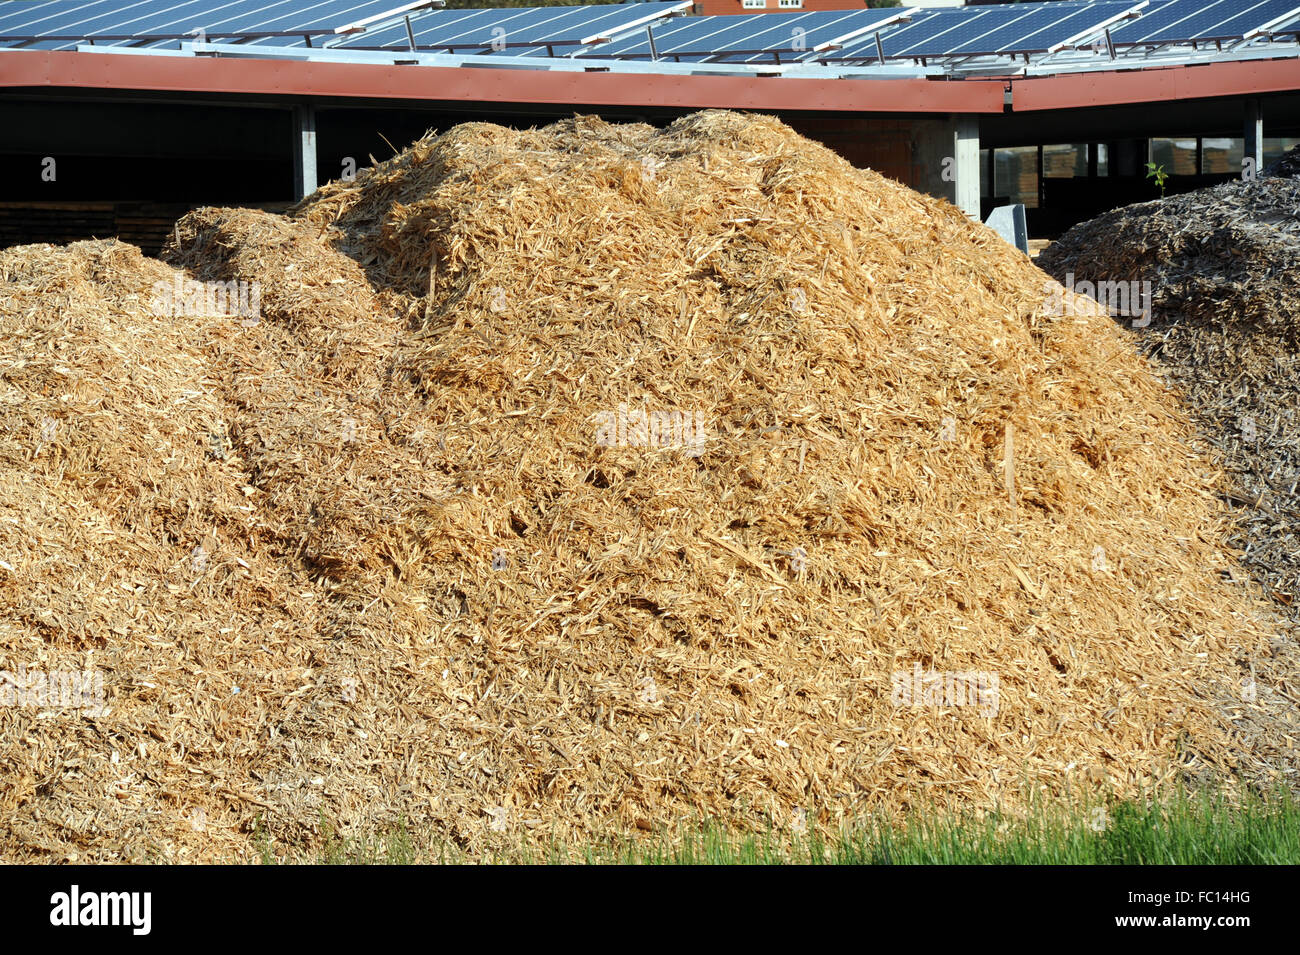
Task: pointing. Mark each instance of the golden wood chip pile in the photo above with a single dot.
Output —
(588, 480)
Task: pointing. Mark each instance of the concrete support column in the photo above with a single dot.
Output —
(946, 155)
(304, 151)
(1254, 144)
(967, 135)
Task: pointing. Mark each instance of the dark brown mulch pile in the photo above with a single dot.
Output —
(1224, 268)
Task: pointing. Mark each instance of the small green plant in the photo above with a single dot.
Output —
(1159, 174)
(262, 841)
(389, 846)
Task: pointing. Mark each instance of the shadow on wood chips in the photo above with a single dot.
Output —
(587, 479)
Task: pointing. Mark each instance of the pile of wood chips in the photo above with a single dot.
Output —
(1286, 166)
(1224, 268)
(594, 480)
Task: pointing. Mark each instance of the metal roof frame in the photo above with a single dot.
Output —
(565, 64)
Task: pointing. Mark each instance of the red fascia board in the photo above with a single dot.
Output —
(1159, 84)
(258, 77)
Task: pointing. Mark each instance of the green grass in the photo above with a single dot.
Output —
(1202, 830)
(1205, 829)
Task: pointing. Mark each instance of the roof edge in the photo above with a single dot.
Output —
(292, 78)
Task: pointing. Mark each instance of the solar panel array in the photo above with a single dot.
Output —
(1029, 30)
(646, 31)
(520, 31)
(62, 24)
(1014, 28)
(1175, 21)
(759, 38)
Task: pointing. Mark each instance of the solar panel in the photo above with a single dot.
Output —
(518, 31)
(1288, 26)
(26, 19)
(760, 37)
(132, 22)
(693, 39)
(1041, 29)
(1013, 28)
(1155, 18)
(1186, 20)
(1252, 18)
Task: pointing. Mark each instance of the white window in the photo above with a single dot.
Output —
(754, 4)
(790, 4)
